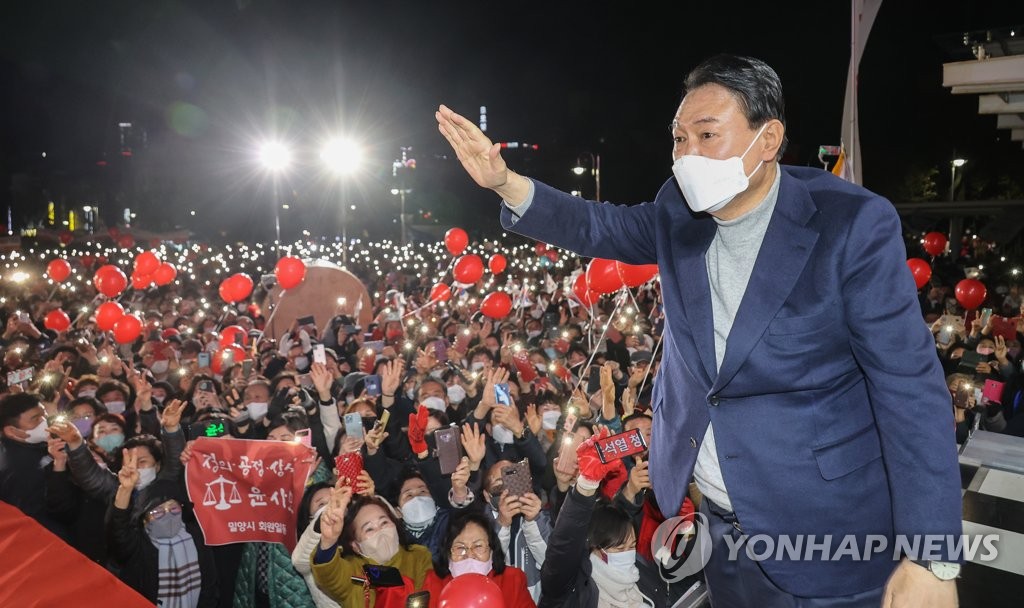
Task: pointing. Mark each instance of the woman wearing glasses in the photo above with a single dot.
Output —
(472, 547)
(160, 554)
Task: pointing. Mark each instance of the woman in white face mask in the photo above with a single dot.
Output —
(359, 531)
(472, 547)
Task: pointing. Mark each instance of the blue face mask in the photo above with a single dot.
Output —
(111, 442)
(551, 353)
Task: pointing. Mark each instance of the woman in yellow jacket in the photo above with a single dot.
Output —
(363, 531)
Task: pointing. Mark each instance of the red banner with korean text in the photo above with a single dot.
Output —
(247, 491)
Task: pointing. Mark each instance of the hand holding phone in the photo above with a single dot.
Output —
(354, 425)
(320, 354)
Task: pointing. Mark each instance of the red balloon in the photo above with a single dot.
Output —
(540, 248)
(440, 293)
(921, 270)
(226, 356)
(164, 274)
(58, 270)
(497, 263)
(935, 243)
(235, 288)
(66, 237)
(110, 281)
(289, 271)
(127, 329)
(57, 320)
(229, 333)
(635, 276)
(125, 241)
(496, 305)
(146, 263)
(88, 260)
(602, 276)
(108, 314)
(141, 281)
(456, 241)
(471, 591)
(970, 293)
(583, 293)
(552, 255)
(468, 269)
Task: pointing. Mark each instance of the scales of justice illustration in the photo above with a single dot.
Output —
(225, 502)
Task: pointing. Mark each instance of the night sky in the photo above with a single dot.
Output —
(207, 80)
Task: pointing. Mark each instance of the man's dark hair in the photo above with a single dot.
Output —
(13, 406)
(456, 525)
(113, 385)
(753, 83)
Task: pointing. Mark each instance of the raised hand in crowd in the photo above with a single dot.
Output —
(509, 418)
(530, 505)
(68, 433)
(592, 470)
(533, 419)
(474, 442)
(373, 440)
(390, 380)
(364, 485)
(171, 416)
(460, 481)
(55, 448)
(495, 375)
(322, 380)
(333, 517)
(128, 478)
(508, 507)
(628, 402)
(639, 480)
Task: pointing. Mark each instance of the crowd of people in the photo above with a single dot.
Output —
(97, 434)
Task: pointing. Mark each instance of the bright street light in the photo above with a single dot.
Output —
(275, 156)
(959, 162)
(342, 156)
(579, 170)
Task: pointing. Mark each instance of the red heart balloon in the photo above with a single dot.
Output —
(108, 314)
(921, 270)
(602, 276)
(635, 276)
(57, 320)
(468, 269)
(456, 240)
(146, 263)
(496, 305)
(127, 329)
(58, 270)
(110, 281)
(289, 271)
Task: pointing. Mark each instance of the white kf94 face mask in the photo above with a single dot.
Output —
(709, 184)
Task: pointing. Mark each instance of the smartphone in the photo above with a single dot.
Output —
(420, 599)
(354, 425)
(554, 333)
(551, 320)
(620, 446)
(349, 466)
(945, 335)
(247, 368)
(516, 479)
(962, 397)
(527, 372)
(441, 350)
(458, 370)
(383, 576)
(502, 395)
(567, 459)
(320, 354)
(377, 346)
(22, 375)
(382, 422)
(304, 437)
(205, 386)
(24, 317)
(307, 320)
(969, 362)
(594, 380)
(986, 314)
(214, 427)
(462, 338)
(372, 384)
(203, 359)
(1002, 326)
(449, 449)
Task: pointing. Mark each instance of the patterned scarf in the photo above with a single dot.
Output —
(178, 569)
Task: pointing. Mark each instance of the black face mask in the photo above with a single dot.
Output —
(496, 495)
(368, 422)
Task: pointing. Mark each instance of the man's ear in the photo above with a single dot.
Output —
(13, 432)
(774, 136)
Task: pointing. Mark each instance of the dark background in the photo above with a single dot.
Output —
(203, 82)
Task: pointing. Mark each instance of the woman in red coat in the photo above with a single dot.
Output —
(472, 547)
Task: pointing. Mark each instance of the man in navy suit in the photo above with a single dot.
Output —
(799, 384)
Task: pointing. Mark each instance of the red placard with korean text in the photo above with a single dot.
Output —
(247, 491)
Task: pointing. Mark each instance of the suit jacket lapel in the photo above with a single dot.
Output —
(692, 278)
(786, 247)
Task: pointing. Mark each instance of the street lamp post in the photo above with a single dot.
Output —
(343, 157)
(595, 170)
(398, 171)
(275, 158)
(954, 164)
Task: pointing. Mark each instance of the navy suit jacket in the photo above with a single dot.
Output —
(830, 410)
